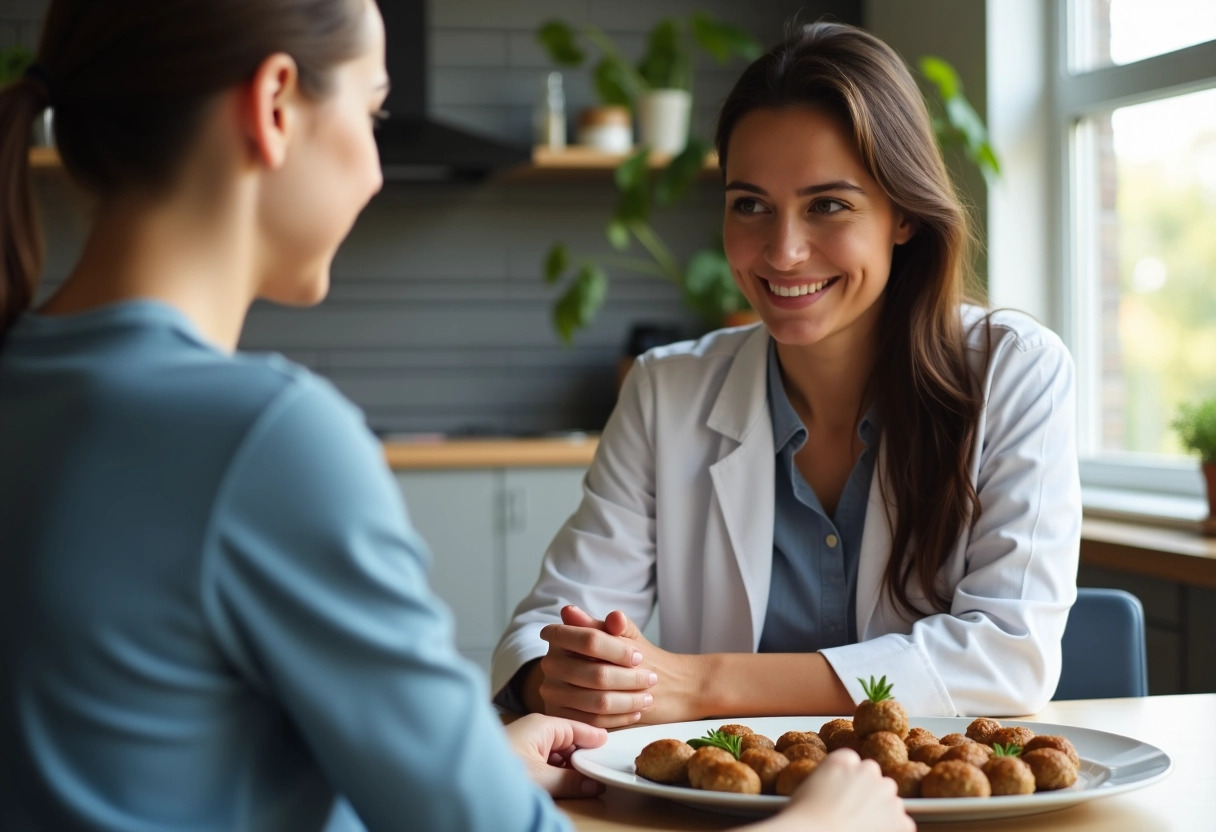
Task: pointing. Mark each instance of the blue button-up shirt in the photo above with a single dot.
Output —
(813, 592)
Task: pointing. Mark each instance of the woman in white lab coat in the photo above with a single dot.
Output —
(878, 480)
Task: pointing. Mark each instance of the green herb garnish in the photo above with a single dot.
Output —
(877, 691)
(1010, 750)
(716, 739)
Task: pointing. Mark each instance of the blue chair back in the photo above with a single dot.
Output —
(1104, 651)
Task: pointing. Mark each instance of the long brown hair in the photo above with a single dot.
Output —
(129, 81)
(927, 396)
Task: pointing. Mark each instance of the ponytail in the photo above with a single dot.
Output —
(21, 247)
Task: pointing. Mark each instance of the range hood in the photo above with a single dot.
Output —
(413, 146)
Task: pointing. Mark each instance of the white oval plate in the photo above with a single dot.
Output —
(1110, 764)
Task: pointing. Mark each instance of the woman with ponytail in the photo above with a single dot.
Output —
(214, 614)
(878, 479)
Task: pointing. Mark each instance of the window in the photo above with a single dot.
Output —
(1135, 126)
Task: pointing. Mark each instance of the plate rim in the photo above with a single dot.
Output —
(584, 760)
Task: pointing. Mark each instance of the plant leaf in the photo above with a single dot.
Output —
(633, 172)
(618, 234)
(709, 288)
(723, 41)
(942, 74)
(556, 262)
(665, 64)
(716, 739)
(559, 41)
(611, 82)
(577, 307)
(680, 172)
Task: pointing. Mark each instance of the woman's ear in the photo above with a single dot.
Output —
(271, 115)
(905, 228)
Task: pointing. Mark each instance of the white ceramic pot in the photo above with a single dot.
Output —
(663, 117)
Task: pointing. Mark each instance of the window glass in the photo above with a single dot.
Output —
(1115, 32)
(1146, 252)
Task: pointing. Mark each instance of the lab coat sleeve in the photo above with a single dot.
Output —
(603, 558)
(997, 651)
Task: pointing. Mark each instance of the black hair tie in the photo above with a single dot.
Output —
(42, 78)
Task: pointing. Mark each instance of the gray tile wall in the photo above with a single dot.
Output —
(437, 319)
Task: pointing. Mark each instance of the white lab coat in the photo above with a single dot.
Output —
(678, 510)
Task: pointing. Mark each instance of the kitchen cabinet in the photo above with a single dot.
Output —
(487, 529)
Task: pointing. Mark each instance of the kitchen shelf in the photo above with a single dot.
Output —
(44, 157)
(577, 162)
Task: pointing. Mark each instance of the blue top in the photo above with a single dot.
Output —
(214, 614)
(812, 599)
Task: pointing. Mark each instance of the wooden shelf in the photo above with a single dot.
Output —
(491, 453)
(1187, 557)
(578, 162)
(44, 157)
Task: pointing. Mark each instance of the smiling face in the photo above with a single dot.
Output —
(332, 170)
(808, 232)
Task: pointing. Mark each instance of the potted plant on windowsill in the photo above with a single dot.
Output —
(1196, 426)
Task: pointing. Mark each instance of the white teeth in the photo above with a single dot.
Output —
(796, 291)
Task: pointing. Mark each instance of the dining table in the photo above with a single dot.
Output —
(1183, 726)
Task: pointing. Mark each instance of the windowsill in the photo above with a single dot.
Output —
(1146, 508)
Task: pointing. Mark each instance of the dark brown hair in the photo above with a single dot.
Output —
(129, 81)
(927, 396)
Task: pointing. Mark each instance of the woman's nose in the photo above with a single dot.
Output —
(788, 245)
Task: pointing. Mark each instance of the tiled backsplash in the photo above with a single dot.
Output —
(438, 319)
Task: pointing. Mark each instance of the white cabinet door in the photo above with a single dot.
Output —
(455, 512)
(536, 503)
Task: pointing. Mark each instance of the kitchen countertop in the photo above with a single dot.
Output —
(570, 450)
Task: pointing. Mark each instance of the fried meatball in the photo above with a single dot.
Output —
(791, 776)
(665, 761)
(981, 730)
(907, 777)
(1058, 743)
(955, 739)
(1017, 735)
(919, 736)
(884, 748)
(795, 737)
(754, 741)
(768, 763)
(735, 728)
(969, 752)
(804, 751)
(1052, 769)
(844, 738)
(832, 726)
(702, 759)
(955, 778)
(887, 715)
(928, 753)
(730, 776)
(1009, 775)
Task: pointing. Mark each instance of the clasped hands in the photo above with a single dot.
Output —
(606, 673)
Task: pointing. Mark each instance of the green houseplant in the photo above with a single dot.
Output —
(13, 62)
(1196, 427)
(704, 279)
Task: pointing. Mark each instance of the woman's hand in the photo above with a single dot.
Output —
(545, 744)
(844, 792)
(606, 673)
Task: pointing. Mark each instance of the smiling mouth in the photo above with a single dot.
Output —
(800, 289)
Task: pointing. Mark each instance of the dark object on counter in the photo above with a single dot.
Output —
(641, 338)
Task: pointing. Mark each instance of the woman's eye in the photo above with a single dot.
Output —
(827, 206)
(379, 117)
(747, 205)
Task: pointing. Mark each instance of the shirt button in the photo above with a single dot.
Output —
(831, 540)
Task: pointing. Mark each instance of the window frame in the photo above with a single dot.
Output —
(1173, 487)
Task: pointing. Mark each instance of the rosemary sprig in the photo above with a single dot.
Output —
(877, 691)
(1010, 750)
(716, 739)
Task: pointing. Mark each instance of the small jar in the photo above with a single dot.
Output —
(607, 128)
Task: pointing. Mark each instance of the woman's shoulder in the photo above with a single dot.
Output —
(990, 331)
(716, 346)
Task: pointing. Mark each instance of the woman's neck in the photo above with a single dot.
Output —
(188, 253)
(827, 382)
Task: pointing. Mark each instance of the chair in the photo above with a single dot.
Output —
(1104, 651)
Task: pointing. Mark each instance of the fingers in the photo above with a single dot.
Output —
(618, 624)
(561, 697)
(592, 644)
(605, 721)
(575, 617)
